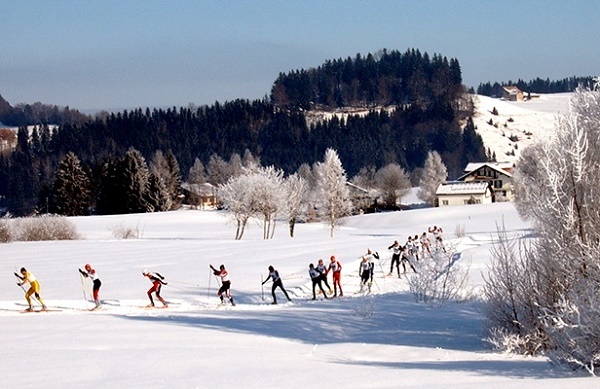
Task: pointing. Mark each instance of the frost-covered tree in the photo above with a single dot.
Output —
(218, 170)
(334, 196)
(197, 173)
(393, 182)
(159, 198)
(71, 187)
(133, 174)
(561, 270)
(167, 168)
(366, 178)
(296, 192)
(267, 196)
(236, 198)
(433, 174)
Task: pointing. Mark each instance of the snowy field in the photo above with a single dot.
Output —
(381, 340)
(526, 121)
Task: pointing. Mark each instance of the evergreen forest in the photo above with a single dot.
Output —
(430, 111)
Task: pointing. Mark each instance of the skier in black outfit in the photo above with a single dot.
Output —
(315, 276)
(321, 268)
(274, 275)
(397, 250)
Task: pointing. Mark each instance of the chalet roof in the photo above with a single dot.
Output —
(511, 89)
(205, 189)
(501, 167)
(462, 188)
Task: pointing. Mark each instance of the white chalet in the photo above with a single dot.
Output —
(462, 193)
(497, 174)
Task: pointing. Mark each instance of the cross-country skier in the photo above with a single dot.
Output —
(315, 277)
(274, 275)
(336, 268)
(406, 259)
(91, 273)
(364, 271)
(425, 244)
(34, 288)
(157, 282)
(225, 283)
(321, 268)
(396, 251)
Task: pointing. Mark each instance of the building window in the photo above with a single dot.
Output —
(445, 202)
(497, 184)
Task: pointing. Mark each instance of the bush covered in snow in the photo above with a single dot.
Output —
(46, 227)
(549, 293)
(439, 278)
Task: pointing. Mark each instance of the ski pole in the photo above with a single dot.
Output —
(262, 287)
(208, 290)
(83, 290)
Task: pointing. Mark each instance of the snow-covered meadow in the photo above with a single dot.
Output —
(381, 340)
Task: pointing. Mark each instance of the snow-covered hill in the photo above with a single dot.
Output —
(525, 122)
(381, 340)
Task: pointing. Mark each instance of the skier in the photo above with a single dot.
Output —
(34, 288)
(364, 272)
(225, 283)
(91, 273)
(406, 259)
(274, 275)
(321, 268)
(336, 268)
(425, 243)
(315, 276)
(157, 282)
(396, 251)
(417, 246)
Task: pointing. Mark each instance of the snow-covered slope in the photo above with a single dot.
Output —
(526, 122)
(382, 340)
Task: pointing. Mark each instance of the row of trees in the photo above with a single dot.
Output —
(537, 85)
(545, 297)
(383, 78)
(38, 113)
(123, 185)
(265, 192)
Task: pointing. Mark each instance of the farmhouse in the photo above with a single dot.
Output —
(201, 196)
(498, 175)
(462, 193)
(512, 93)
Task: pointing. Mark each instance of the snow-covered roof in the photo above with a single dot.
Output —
(471, 166)
(462, 188)
(511, 89)
(205, 189)
(500, 167)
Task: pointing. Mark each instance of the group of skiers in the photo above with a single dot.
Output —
(415, 248)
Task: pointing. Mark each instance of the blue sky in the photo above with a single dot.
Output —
(123, 54)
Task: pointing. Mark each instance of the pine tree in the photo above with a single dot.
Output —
(197, 173)
(134, 176)
(71, 187)
(434, 173)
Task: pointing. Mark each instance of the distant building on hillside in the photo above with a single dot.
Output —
(463, 193)
(201, 196)
(497, 174)
(512, 93)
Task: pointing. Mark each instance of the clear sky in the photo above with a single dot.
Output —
(122, 54)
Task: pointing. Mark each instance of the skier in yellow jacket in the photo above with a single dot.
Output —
(34, 288)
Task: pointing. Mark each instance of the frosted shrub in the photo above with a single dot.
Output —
(549, 294)
(439, 278)
(120, 231)
(6, 234)
(46, 227)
